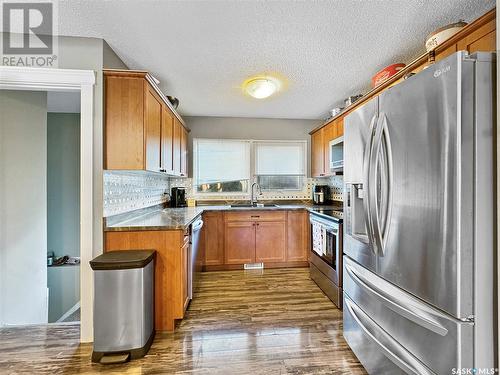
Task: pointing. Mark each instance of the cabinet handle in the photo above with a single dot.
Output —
(255, 216)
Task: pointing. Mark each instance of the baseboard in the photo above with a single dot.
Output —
(230, 267)
(68, 313)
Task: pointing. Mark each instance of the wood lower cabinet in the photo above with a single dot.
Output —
(239, 240)
(142, 130)
(277, 238)
(171, 269)
(186, 293)
(298, 236)
(270, 241)
(213, 238)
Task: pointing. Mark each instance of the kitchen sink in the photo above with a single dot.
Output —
(257, 205)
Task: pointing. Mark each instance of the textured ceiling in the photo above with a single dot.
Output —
(201, 51)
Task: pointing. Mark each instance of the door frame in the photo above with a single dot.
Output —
(43, 79)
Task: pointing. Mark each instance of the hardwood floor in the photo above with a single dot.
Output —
(255, 322)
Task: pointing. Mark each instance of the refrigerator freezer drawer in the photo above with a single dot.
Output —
(379, 353)
(419, 328)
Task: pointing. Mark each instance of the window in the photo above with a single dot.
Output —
(221, 166)
(280, 165)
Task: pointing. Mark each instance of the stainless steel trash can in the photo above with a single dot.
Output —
(123, 305)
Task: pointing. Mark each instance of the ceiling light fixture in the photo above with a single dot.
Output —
(261, 87)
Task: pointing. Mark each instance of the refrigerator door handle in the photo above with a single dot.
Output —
(390, 347)
(381, 213)
(404, 308)
(366, 177)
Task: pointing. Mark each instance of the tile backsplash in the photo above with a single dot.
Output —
(335, 183)
(126, 191)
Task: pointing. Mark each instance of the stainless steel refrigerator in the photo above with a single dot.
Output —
(419, 233)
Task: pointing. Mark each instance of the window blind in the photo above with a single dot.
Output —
(280, 158)
(221, 160)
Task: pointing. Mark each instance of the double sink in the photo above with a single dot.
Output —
(254, 205)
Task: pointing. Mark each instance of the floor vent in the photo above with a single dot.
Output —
(253, 266)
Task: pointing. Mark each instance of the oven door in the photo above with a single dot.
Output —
(325, 240)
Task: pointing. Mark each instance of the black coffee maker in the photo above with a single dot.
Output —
(178, 197)
(321, 194)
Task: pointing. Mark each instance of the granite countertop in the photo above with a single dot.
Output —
(181, 218)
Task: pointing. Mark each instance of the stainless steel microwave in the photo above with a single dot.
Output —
(336, 152)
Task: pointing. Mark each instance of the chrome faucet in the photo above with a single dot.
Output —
(253, 198)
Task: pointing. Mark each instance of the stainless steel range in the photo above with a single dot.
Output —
(326, 252)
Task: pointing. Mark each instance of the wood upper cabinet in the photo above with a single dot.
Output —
(177, 141)
(239, 240)
(124, 116)
(270, 241)
(298, 236)
(320, 147)
(340, 127)
(184, 153)
(167, 141)
(318, 156)
(153, 109)
(482, 39)
(213, 238)
(142, 130)
(479, 35)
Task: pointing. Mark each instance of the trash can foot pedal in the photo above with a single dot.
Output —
(114, 359)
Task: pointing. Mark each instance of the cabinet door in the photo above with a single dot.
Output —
(329, 134)
(184, 152)
(167, 141)
(298, 229)
(153, 131)
(177, 147)
(213, 238)
(124, 123)
(239, 242)
(340, 127)
(186, 276)
(446, 52)
(317, 150)
(483, 39)
(270, 241)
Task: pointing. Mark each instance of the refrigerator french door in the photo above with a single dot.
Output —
(419, 228)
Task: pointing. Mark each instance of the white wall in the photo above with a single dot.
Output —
(23, 207)
(250, 128)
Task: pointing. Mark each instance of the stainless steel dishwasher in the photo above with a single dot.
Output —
(195, 258)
